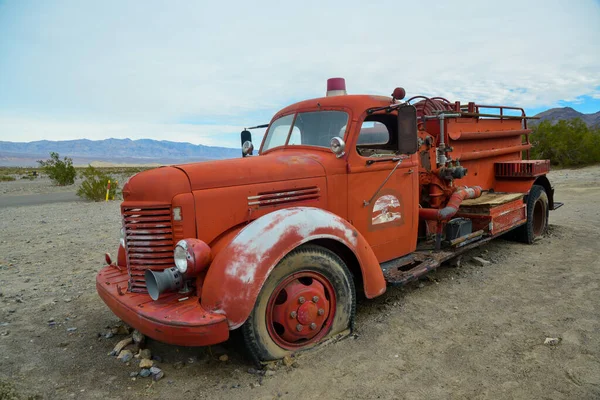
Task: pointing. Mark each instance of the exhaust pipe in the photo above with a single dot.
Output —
(169, 280)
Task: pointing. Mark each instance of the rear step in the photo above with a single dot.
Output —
(403, 270)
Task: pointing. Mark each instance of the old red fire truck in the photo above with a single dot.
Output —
(348, 194)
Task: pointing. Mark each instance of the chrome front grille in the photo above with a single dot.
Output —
(149, 242)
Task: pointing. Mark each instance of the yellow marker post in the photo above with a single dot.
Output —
(107, 189)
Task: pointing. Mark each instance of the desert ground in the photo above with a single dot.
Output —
(468, 332)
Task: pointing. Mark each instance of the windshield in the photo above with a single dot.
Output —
(309, 128)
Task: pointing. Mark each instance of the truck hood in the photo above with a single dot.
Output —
(272, 167)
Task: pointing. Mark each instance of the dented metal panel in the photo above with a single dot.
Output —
(238, 272)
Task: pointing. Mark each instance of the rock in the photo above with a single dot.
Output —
(67, 299)
(134, 348)
(255, 385)
(125, 356)
(138, 337)
(421, 285)
(146, 353)
(224, 357)
(155, 370)
(133, 374)
(5, 333)
(109, 335)
(71, 329)
(146, 363)
(121, 345)
(145, 373)
(158, 377)
(552, 341)
(481, 261)
(270, 373)
(123, 330)
(288, 361)
(178, 365)
(157, 358)
(253, 371)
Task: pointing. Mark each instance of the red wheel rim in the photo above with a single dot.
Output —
(301, 310)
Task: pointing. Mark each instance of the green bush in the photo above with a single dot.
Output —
(62, 172)
(568, 143)
(94, 185)
(6, 178)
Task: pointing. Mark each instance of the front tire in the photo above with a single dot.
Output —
(537, 216)
(308, 297)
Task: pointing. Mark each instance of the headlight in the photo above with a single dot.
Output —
(122, 239)
(191, 257)
(180, 256)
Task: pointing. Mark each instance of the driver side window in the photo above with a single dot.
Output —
(378, 136)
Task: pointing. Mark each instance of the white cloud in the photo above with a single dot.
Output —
(138, 69)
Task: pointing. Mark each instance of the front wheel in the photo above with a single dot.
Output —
(537, 216)
(308, 297)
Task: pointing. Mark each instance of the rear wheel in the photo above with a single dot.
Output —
(308, 297)
(537, 216)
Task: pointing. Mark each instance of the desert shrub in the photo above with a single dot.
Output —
(62, 172)
(568, 143)
(6, 178)
(94, 184)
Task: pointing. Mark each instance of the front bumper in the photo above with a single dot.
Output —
(167, 319)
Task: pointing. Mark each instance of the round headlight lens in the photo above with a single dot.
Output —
(122, 238)
(180, 256)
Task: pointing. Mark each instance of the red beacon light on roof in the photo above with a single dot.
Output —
(336, 87)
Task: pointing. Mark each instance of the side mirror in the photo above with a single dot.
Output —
(247, 148)
(407, 130)
(246, 141)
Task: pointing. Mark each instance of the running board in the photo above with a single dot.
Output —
(411, 267)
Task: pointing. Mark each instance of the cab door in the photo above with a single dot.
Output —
(383, 188)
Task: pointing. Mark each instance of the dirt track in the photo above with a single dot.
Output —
(470, 332)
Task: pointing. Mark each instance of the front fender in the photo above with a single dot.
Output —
(240, 269)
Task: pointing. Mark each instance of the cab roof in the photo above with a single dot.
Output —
(358, 103)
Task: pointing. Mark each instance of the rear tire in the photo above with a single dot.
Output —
(537, 216)
(308, 297)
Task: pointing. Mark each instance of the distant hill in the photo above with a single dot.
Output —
(128, 151)
(555, 114)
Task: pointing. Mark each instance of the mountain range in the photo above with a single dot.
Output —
(120, 151)
(556, 114)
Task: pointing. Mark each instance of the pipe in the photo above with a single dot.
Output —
(441, 150)
(476, 155)
(487, 135)
(446, 213)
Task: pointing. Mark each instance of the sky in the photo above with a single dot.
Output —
(201, 71)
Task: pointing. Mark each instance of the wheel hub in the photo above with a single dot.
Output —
(299, 309)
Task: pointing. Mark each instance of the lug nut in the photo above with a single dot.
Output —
(301, 300)
(293, 314)
(321, 311)
(298, 327)
(313, 326)
(315, 299)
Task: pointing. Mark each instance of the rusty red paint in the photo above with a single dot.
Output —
(251, 212)
(238, 272)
